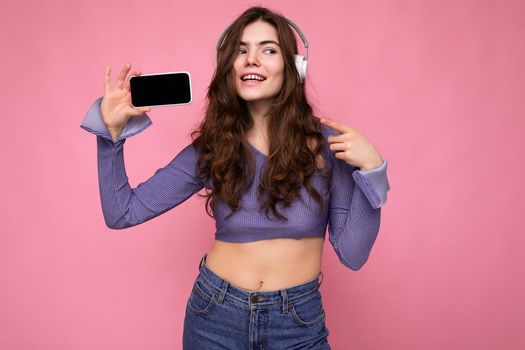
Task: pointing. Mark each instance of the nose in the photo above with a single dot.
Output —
(251, 58)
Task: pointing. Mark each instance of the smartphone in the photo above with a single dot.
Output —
(160, 89)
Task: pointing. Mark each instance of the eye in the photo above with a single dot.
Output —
(271, 51)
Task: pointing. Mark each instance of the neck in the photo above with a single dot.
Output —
(258, 111)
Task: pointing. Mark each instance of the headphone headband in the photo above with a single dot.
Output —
(294, 26)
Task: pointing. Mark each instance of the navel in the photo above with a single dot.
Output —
(260, 284)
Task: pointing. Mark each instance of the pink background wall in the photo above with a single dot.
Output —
(436, 86)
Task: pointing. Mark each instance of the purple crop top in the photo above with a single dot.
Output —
(353, 198)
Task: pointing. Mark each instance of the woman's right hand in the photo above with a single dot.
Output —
(116, 105)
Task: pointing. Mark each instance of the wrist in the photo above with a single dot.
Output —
(115, 134)
(371, 166)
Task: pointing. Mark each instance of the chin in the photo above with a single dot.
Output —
(257, 99)
(255, 96)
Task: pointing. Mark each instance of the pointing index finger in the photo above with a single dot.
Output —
(336, 126)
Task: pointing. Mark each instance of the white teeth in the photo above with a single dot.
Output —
(252, 77)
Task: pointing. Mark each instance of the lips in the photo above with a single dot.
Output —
(251, 83)
(252, 76)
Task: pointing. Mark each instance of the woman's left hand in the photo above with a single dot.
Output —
(352, 147)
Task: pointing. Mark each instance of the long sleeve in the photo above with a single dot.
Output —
(355, 211)
(123, 206)
(93, 123)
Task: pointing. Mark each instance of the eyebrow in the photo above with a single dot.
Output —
(264, 42)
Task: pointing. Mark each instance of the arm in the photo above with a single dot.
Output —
(123, 206)
(356, 198)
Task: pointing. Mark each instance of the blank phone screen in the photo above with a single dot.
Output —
(160, 89)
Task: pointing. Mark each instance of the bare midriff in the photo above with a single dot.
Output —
(267, 265)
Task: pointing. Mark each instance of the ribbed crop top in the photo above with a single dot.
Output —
(351, 212)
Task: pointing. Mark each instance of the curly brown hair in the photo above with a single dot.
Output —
(296, 142)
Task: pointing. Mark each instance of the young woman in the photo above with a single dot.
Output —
(274, 176)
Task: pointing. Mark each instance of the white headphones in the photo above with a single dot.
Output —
(300, 61)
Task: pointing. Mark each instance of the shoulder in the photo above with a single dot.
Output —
(325, 149)
(326, 131)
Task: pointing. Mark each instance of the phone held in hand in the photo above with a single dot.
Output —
(160, 89)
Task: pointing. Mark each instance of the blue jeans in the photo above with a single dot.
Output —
(220, 315)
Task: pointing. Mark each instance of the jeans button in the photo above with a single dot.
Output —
(256, 299)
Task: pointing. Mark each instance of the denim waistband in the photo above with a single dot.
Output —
(257, 299)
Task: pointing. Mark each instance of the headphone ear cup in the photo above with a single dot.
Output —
(300, 64)
(303, 71)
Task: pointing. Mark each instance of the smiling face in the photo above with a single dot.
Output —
(259, 54)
